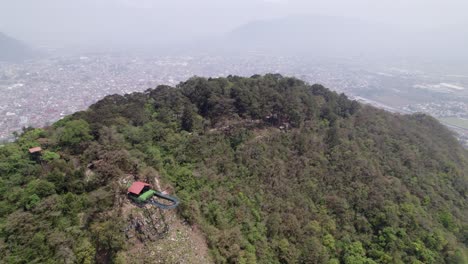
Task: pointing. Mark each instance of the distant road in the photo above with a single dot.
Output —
(379, 105)
(453, 126)
(396, 110)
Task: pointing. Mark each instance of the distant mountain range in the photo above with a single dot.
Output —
(13, 50)
(335, 36)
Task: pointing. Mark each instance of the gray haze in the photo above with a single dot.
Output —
(133, 23)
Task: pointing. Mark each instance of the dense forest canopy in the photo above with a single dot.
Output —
(271, 169)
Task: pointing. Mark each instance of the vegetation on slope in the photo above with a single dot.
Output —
(271, 169)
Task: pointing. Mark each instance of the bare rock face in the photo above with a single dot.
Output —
(155, 235)
(147, 224)
(159, 236)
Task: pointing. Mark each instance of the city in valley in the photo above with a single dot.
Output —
(39, 92)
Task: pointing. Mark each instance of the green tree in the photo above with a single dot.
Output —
(74, 132)
(50, 156)
(188, 117)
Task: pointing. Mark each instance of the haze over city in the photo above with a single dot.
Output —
(403, 56)
(139, 23)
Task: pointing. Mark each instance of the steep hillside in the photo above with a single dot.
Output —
(12, 49)
(268, 170)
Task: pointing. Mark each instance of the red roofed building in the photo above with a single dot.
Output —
(35, 150)
(137, 187)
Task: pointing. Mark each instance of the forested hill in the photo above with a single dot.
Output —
(269, 169)
(12, 49)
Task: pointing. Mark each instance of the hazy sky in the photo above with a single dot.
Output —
(68, 22)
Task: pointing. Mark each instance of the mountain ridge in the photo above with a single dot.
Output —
(345, 37)
(13, 50)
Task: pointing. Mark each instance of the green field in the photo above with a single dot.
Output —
(456, 121)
